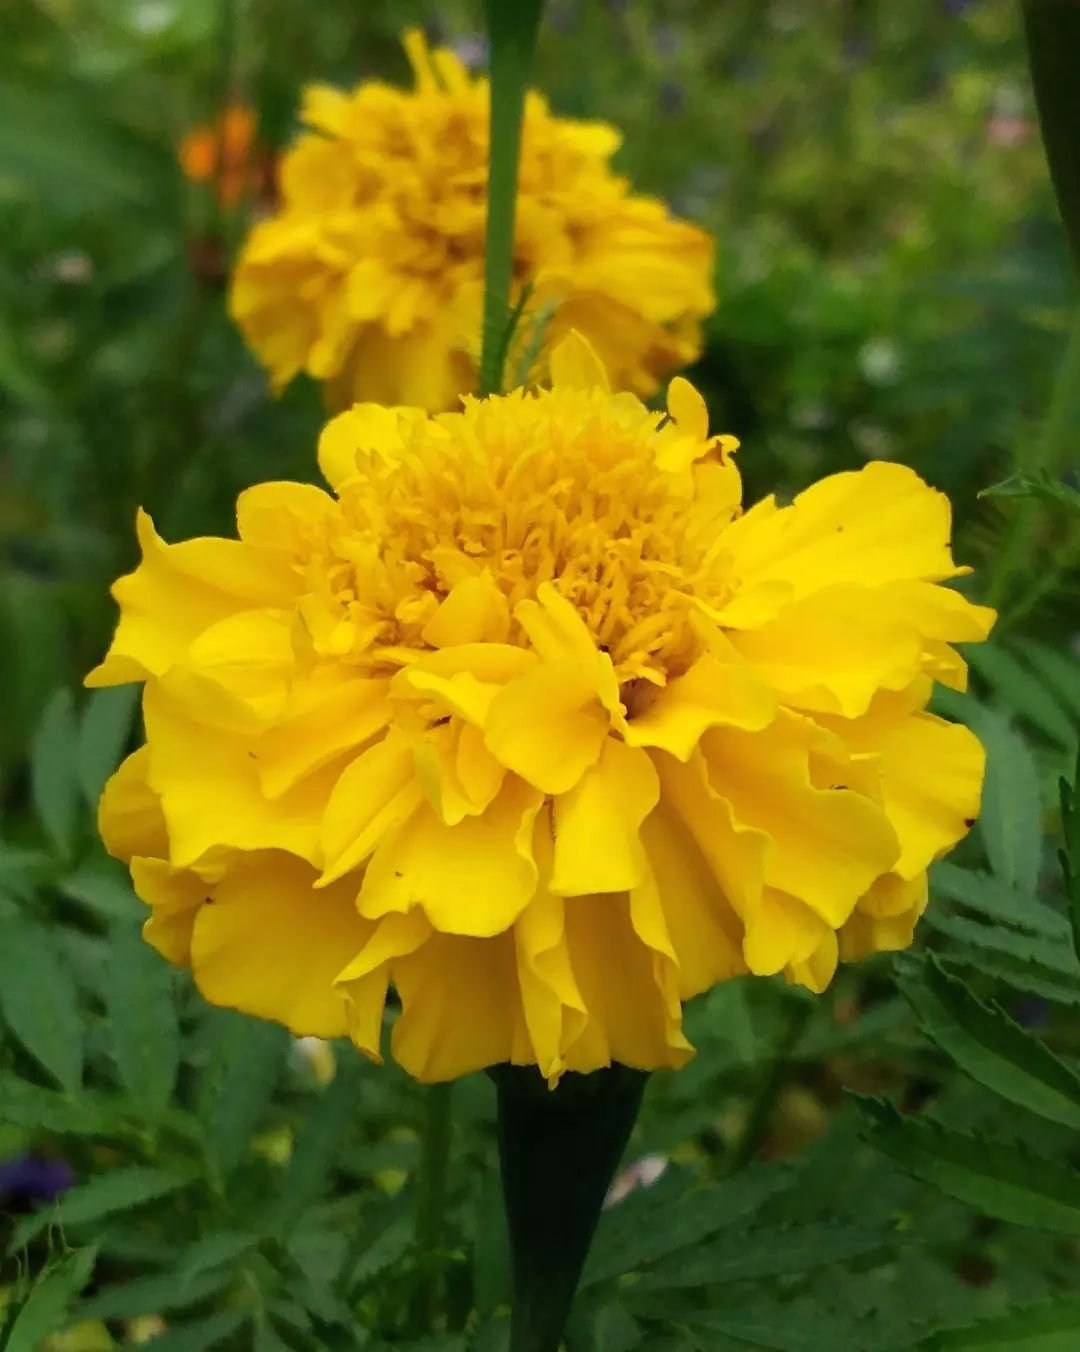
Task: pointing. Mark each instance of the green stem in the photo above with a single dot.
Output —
(512, 28)
(746, 1145)
(431, 1193)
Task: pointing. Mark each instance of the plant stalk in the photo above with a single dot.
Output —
(431, 1194)
(512, 28)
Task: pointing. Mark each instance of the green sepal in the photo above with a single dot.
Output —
(558, 1151)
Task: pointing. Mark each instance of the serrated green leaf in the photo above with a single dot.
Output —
(384, 1250)
(144, 1033)
(239, 1083)
(1011, 819)
(990, 1047)
(658, 1221)
(29, 1105)
(779, 1328)
(1060, 671)
(119, 1190)
(1056, 956)
(615, 1330)
(104, 730)
(39, 1002)
(198, 1334)
(982, 892)
(1050, 1326)
(770, 1251)
(46, 1307)
(217, 1250)
(1004, 1181)
(156, 1294)
(316, 1150)
(53, 781)
(1026, 694)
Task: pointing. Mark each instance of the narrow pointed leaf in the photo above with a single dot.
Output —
(990, 1047)
(1008, 1182)
(38, 1001)
(143, 1026)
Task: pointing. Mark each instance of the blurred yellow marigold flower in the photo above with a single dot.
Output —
(369, 277)
(223, 153)
(530, 719)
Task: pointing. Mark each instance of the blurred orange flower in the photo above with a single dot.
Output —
(224, 153)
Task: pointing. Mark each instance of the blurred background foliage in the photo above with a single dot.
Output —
(893, 282)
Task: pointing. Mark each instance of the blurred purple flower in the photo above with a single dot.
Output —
(34, 1178)
(958, 6)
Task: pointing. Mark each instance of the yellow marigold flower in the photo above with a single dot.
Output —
(530, 719)
(369, 277)
(223, 153)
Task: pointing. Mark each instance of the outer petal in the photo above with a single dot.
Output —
(879, 524)
(782, 931)
(552, 1005)
(932, 774)
(630, 1014)
(885, 918)
(285, 516)
(129, 815)
(208, 784)
(831, 652)
(460, 1006)
(364, 981)
(473, 878)
(827, 844)
(271, 945)
(706, 934)
(597, 824)
(177, 591)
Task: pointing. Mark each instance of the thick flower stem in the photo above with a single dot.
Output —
(512, 28)
(559, 1150)
(431, 1193)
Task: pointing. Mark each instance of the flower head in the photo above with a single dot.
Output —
(370, 276)
(530, 719)
(224, 153)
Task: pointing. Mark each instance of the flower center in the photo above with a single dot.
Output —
(601, 502)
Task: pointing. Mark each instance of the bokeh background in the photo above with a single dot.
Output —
(893, 282)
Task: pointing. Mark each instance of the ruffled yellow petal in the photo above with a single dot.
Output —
(244, 945)
(472, 878)
(177, 592)
(826, 844)
(548, 725)
(832, 651)
(879, 524)
(374, 795)
(598, 822)
(208, 784)
(630, 1013)
(710, 693)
